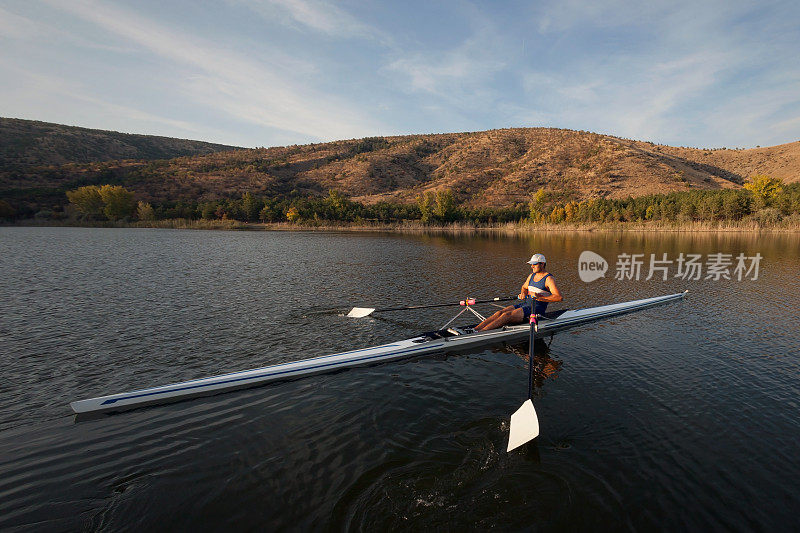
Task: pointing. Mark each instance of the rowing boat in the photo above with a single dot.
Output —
(433, 341)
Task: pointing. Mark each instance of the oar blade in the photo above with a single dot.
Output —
(524, 426)
(360, 312)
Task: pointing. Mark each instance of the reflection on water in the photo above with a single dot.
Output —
(544, 366)
(647, 421)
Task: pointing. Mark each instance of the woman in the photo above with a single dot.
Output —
(541, 286)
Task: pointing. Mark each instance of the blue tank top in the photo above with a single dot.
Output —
(540, 307)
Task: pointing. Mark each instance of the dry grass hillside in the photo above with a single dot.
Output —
(781, 161)
(25, 143)
(491, 168)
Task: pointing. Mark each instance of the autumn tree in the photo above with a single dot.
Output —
(292, 215)
(557, 215)
(536, 205)
(118, 202)
(570, 211)
(765, 189)
(87, 200)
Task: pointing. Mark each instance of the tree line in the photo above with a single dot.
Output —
(764, 199)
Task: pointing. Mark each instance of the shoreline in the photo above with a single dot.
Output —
(508, 228)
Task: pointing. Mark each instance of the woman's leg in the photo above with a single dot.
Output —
(494, 317)
(514, 316)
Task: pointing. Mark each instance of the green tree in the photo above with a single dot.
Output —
(271, 212)
(669, 209)
(336, 206)
(710, 207)
(6, 211)
(735, 205)
(144, 211)
(119, 202)
(536, 206)
(425, 203)
(687, 211)
(250, 207)
(87, 200)
(445, 208)
(208, 210)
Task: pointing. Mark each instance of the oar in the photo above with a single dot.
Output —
(524, 422)
(359, 312)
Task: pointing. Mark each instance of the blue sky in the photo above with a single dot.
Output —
(277, 72)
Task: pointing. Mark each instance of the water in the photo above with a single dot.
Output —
(678, 417)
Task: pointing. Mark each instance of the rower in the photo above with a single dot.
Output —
(542, 288)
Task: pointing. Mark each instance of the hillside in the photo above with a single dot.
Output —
(496, 168)
(781, 161)
(27, 143)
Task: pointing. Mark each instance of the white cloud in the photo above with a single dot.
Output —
(788, 125)
(14, 26)
(257, 91)
(317, 15)
(454, 73)
(638, 103)
(763, 116)
(679, 74)
(65, 95)
(669, 71)
(23, 29)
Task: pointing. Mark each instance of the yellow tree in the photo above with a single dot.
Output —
(536, 205)
(87, 200)
(425, 203)
(119, 202)
(570, 210)
(764, 188)
(293, 215)
(557, 215)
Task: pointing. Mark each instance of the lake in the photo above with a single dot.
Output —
(679, 417)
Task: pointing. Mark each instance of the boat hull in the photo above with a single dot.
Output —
(412, 347)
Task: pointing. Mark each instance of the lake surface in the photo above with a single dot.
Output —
(680, 417)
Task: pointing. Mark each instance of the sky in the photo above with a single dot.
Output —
(278, 72)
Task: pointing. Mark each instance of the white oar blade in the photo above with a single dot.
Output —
(524, 426)
(359, 312)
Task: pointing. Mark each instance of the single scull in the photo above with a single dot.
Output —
(434, 341)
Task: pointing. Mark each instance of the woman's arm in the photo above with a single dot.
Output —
(523, 293)
(555, 294)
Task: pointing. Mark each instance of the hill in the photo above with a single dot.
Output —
(29, 143)
(497, 168)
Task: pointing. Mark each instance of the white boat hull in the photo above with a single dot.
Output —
(377, 354)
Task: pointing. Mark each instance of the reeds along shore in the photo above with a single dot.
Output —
(413, 226)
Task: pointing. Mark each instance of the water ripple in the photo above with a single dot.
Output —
(681, 417)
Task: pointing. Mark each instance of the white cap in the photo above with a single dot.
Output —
(537, 258)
